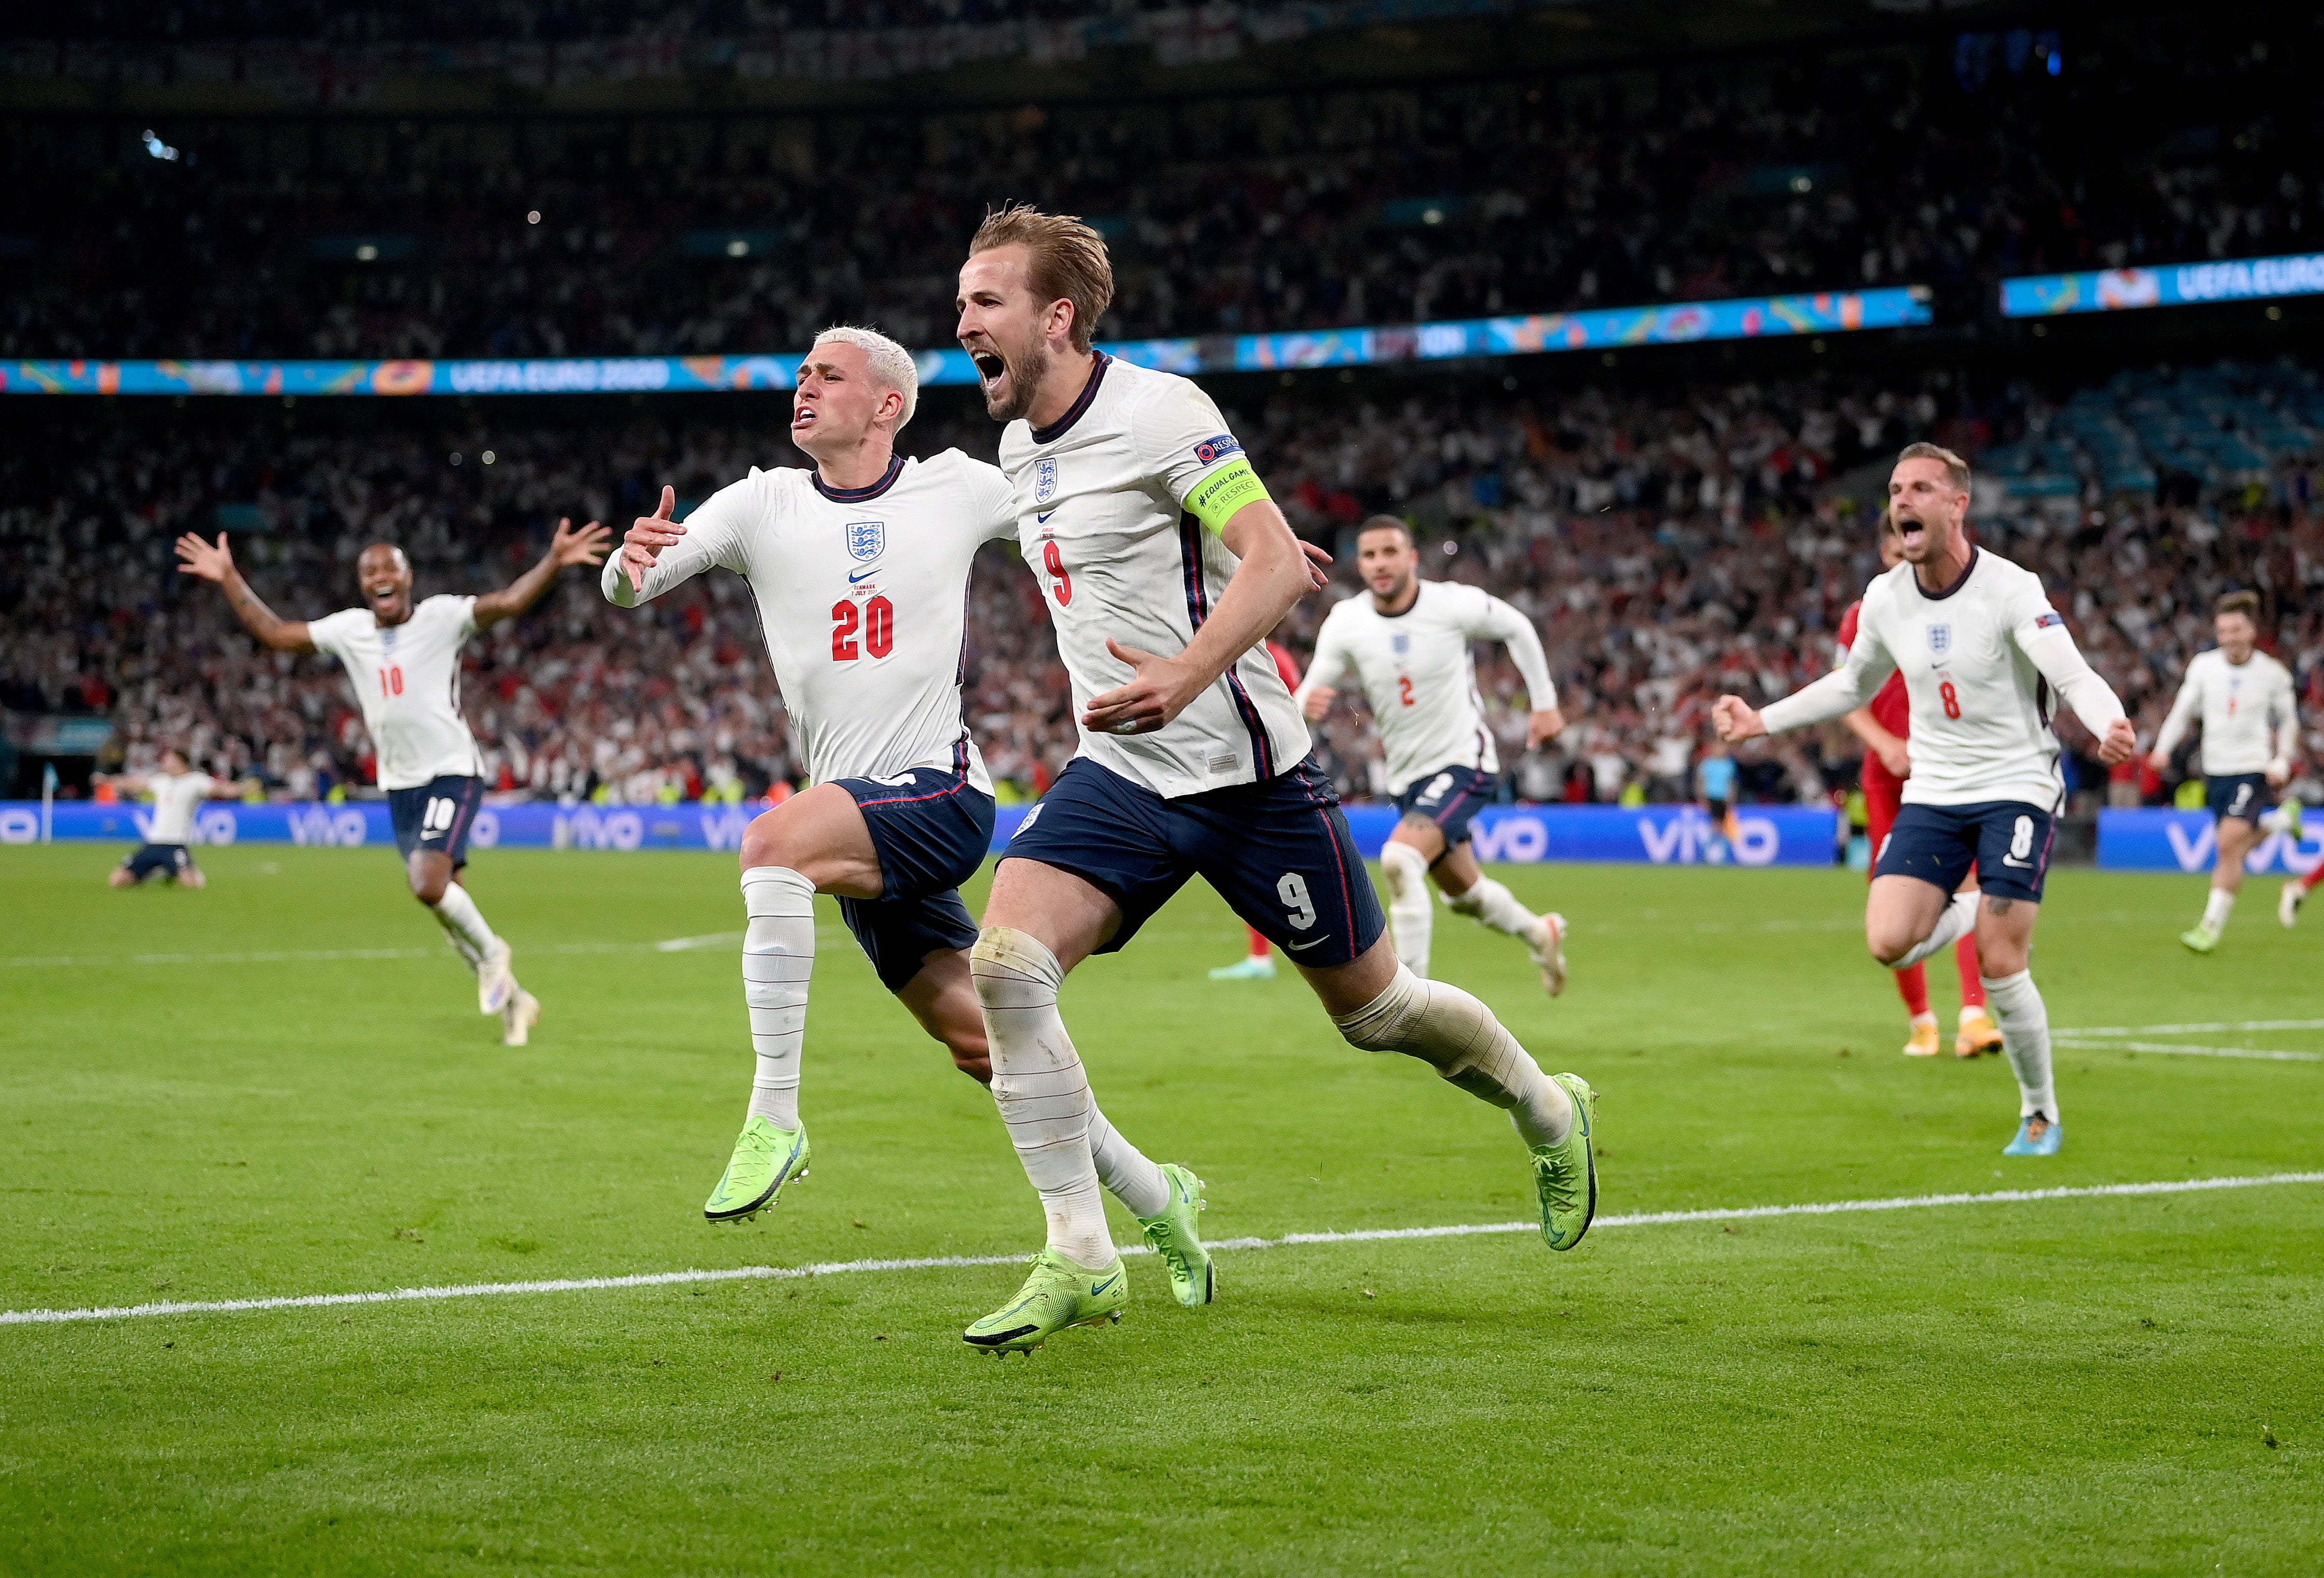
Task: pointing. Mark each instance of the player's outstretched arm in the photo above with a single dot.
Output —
(586, 547)
(2174, 725)
(1274, 574)
(2052, 648)
(1504, 623)
(215, 562)
(658, 553)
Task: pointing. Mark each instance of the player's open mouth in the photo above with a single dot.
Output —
(803, 417)
(989, 366)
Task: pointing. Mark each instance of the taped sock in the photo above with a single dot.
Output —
(1410, 917)
(1041, 1089)
(777, 961)
(1458, 1036)
(2025, 1022)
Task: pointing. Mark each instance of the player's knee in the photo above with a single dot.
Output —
(120, 879)
(1887, 943)
(1007, 965)
(1404, 867)
(1379, 1025)
(428, 886)
(762, 842)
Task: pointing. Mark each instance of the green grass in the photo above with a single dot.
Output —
(2084, 1385)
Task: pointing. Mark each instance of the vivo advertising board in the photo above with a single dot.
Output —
(2186, 840)
(1658, 835)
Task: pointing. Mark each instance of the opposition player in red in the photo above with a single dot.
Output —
(1258, 963)
(1884, 727)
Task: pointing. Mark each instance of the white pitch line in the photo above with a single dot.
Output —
(938, 1262)
(2264, 1054)
(2197, 1029)
(330, 955)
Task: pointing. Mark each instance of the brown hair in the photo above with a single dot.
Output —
(2246, 603)
(1065, 261)
(1956, 468)
(1385, 523)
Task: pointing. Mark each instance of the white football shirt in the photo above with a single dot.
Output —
(863, 598)
(1100, 515)
(1978, 660)
(177, 796)
(406, 680)
(1418, 671)
(2248, 711)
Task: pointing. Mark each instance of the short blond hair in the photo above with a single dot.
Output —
(1956, 468)
(1065, 261)
(889, 361)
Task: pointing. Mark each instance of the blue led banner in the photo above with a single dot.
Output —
(2173, 285)
(1615, 328)
(2157, 840)
(1657, 835)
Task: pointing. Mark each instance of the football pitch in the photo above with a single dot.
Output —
(279, 1087)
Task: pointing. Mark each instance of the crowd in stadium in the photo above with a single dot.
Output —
(483, 237)
(1668, 546)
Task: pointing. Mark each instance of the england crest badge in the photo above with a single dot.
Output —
(866, 540)
(1941, 639)
(1401, 642)
(1045, 481)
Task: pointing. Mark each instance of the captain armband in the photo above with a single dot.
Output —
(1217, 497)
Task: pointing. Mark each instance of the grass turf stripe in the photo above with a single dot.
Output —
(1290, 1240)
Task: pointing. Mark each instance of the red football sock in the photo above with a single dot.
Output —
(1972, 987)
(2307, 883)
(1258, 943)
(1913, 986)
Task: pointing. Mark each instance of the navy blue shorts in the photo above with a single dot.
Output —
(435, 816)
(1277, 852)
(169, 860)
(2243, 795)
(2007, 840)
(1449, 797)
(932, 829)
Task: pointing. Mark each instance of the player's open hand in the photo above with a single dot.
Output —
(197, 557)
(1319, 572)
(1156, 693)
(649, 535)
(1896, 755)
(2120, 744)
(587, 547)
(1736, 719)
(1542, 726)
(2278, 773)
(1318, 702)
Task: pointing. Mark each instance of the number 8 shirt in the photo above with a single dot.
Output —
(863, 597)
(406, 680)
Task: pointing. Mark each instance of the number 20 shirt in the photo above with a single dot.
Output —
(406, 680)
(863, 597)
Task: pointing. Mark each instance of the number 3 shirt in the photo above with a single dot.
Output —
(1419, 674)
(863, 597)
(1984, 662)
(407, 679)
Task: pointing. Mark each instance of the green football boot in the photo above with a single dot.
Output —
(1565, 1176)
(1056, 1295)
(765, 1158)
(2200, 939)
(1193, 1277)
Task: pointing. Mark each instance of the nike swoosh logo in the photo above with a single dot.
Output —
(853, 577)
(1043, 517)
(1311, 943)
(1102, 1287)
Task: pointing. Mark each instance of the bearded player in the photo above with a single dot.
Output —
(404, 660)
(1887, 763)
(860, 567)
(2245, 700)
(1982, 653)
(1409, 644)
(1164, 565)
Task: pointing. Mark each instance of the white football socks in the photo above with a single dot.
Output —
(1410, 917)
(2217, 908)
(1458, 1036)
(464, 924)
(1122, 1168)
(1495, 906)
(1041, 1089)
(1959, 919)
(777, 959)
(2025, 1022)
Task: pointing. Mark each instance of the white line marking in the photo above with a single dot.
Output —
(686, 944)
(329, 955)
(2075, 1043)
(2198, 1029)
(936, 1262)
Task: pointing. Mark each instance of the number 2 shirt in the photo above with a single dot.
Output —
(863, 597)
(406, 680)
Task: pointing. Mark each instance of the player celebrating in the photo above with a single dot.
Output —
(404, 660)
(2250, 735)
(860, 568)
(178, 792)
(1887, 763)
(1408, 646)
(1981, 649)
(1166, 564)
